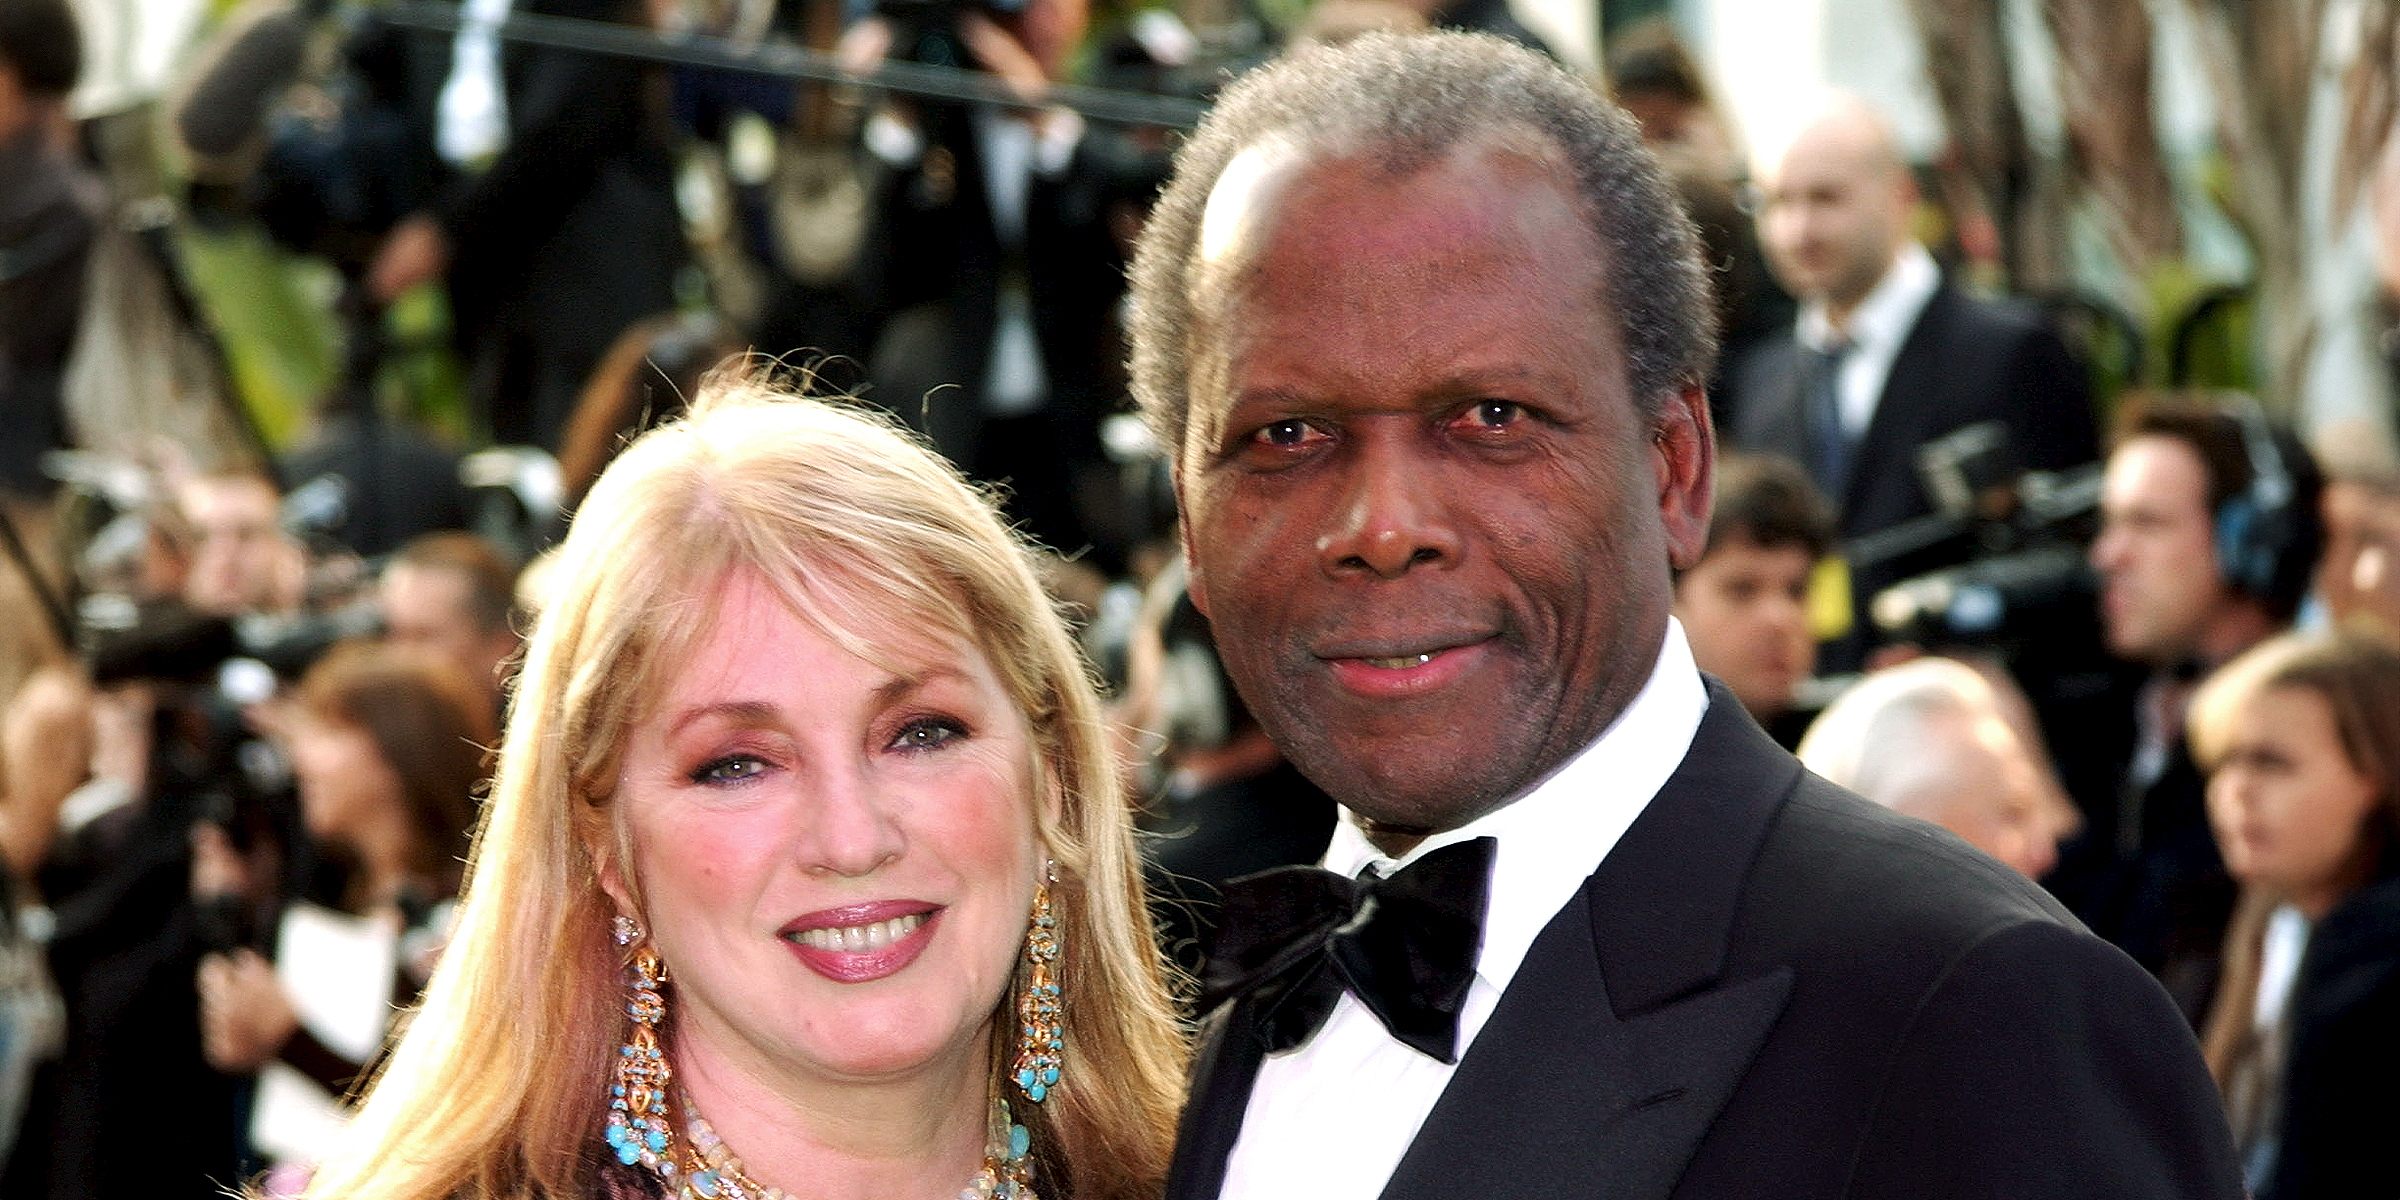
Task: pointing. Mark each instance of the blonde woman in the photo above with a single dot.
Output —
(805, 870)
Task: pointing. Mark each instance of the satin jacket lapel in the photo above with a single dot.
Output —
(1560, 1098)
(1223, 1068)
(1620, 1040)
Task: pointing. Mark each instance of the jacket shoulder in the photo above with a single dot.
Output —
(1834, 864)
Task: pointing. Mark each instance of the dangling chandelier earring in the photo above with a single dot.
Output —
(1039, 1037)
(638, 1127)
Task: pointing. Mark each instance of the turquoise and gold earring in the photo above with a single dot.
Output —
(1039, 1037)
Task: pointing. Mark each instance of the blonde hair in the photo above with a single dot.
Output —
(498, 1087)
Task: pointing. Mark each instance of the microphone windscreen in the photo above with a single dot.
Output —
(228, 105)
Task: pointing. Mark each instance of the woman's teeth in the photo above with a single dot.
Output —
(854, 939)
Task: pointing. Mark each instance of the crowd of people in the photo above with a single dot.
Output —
(1767, 727)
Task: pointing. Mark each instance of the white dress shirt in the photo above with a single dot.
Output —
(1330, 1118)
(1014, 151)
(1877, 327)
(471, 114)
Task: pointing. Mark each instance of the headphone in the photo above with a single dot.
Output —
(2258, 527)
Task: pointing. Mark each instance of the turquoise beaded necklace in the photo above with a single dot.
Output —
(708, 1169)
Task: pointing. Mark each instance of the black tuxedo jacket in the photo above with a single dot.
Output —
(1772, 988)
(1965, 361)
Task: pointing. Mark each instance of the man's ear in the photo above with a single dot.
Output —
(1683, 451)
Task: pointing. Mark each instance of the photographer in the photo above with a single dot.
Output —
(49, 209)
(453, 594)
(535, 183)
(989, 274)
(150, 740)
(241, 560)
(50, 212)
(386, 743)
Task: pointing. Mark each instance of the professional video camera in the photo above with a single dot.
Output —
(126, 632)
(2021, 533)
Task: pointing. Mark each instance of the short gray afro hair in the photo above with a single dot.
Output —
(1404, 100)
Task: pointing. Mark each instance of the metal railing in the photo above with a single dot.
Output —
(787, 61)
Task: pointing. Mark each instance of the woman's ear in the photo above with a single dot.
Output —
(607, 867)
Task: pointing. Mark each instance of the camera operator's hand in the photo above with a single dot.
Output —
(218, 870)
(244, 1016)
(415, 251)
(999, 52)
(864, 45)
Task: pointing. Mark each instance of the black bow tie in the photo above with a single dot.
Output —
(1295, 937)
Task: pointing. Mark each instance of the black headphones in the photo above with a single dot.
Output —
(2257, 527)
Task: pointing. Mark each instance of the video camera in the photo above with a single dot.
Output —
(2022, 534)
(126, 633)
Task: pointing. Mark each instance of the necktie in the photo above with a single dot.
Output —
(1296, 937)
(1828, 442)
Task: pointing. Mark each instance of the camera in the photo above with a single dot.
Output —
(2022, 533)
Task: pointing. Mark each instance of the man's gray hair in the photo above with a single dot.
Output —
(1404, 100)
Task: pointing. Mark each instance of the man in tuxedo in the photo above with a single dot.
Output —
(1887, 353)
(1424, 331)
(550, 217)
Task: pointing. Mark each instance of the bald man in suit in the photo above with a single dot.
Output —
(1888, 353)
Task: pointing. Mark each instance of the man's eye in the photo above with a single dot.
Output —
(1282, 433)
(1496, 414)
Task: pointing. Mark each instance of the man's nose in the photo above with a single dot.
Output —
(1391, 515)
(2105, 548)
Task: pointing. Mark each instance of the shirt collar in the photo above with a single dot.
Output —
(1883, 319)
(1553, 838)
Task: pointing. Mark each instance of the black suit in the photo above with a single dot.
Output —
(2341, 1087)
(1773, 988)
(929, 283)
(1965, 361)
(569, 235)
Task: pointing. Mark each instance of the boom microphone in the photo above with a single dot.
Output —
(226, 110)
